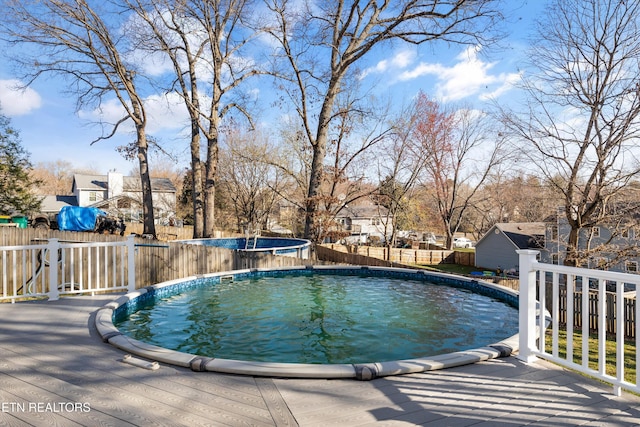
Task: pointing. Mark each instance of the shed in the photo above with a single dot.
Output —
(497, 248)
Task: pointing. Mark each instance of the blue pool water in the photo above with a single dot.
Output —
(320, 318)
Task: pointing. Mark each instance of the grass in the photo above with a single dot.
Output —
(630, 370)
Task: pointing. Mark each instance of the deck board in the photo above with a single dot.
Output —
(49, 352)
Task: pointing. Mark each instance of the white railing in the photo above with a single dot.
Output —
(58, 267)
(540, 336)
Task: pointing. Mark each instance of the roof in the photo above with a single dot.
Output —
(55, 203)
(362, 211)
(130, 183)
(524, 235)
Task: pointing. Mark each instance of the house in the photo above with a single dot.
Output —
(497, 248)
(121, 196)
(612, 247)
(364, 223)
(51, 205)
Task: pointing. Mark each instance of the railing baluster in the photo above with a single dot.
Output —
(14, 268)
(619, 337)
(570, 305)
(4, 274)
(602, 327)
(585, 320)
(555, 307)
(542, 291)
(52, 249)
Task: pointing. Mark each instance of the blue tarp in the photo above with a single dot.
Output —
(75, 218)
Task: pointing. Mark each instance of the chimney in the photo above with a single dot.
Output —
(115, 184)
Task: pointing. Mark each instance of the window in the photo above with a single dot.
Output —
(595, 231)
(554, 232)
(631, 266)
(93, 197)
(124, 204)
(628, 233)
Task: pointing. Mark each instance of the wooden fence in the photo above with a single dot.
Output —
(159, 262)
(402, 256)
(629, 312)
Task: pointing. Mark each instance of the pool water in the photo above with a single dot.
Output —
(322, 319)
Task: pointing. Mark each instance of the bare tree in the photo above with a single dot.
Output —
(512, 197)
(84, 45)
(203, 40)
(55, 177)
(249, 180)
(320, 45)
(462, 151)
(581, 119)
(399, 168)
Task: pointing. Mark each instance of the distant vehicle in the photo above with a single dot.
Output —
(75, 218)
(462, 242)
(43, 221)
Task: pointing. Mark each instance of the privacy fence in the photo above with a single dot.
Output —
(350, 253)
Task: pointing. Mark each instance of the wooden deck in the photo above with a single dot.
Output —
(54, 370)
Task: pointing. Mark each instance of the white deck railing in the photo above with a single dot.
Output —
(540, 336)
(55, 267)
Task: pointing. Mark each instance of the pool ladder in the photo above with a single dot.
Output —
(255, 242)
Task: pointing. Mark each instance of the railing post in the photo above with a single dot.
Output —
(527, 305)
(52, 247)
(131, 263)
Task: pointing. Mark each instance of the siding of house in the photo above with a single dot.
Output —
(495, 251)
(557, 246)
(91, 190)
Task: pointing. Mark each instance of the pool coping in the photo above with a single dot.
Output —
(366, 371)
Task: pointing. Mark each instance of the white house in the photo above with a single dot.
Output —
(121, 195)
(365, 222)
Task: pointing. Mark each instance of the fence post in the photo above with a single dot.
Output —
(527, 305)
(52, 247)
(131, 263)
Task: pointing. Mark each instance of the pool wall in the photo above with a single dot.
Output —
(283, 246)
(130, 303)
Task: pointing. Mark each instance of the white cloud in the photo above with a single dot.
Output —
(403, 58)
(468, 76)
(400, 60)
(164, 112)
(15, 101)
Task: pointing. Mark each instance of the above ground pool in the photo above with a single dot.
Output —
(283, 246)
(316, 322)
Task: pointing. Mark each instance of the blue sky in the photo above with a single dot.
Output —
(51, 129)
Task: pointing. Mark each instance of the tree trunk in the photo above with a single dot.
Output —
(311, 230)
(149, 226)
(211, 171)
(571, 254)
(196, 184)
